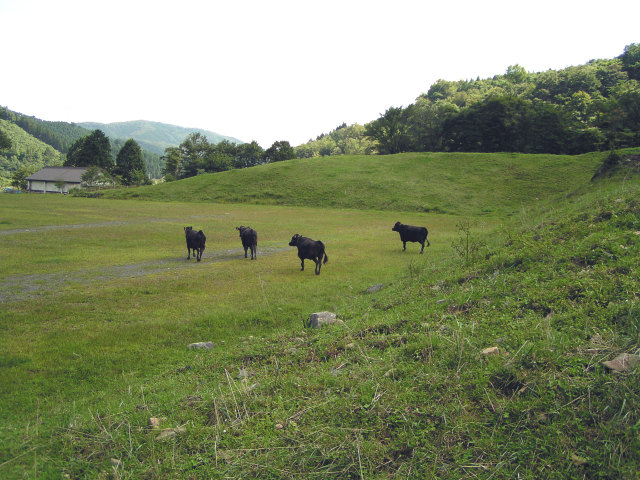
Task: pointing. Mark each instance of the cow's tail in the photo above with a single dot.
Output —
(326, 257)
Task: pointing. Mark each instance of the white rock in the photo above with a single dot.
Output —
(320, 319)
(201, 345)
(490, 351)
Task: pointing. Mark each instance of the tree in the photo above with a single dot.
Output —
(631, 60)
(128, 161)
(193, 151)
(19, 177)
(516, 74)
(248, 155)
(94, 149)
(390, 131)
(95, 177)
(5, 141)
(279, 151)
(60, 185)
(172, 163)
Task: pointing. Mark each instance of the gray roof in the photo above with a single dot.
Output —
(53, 174)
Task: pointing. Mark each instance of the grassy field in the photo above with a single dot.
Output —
(99, 305)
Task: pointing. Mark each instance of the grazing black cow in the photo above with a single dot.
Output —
(310, 249)
(249, 239)
(195, 242)
(409, 233)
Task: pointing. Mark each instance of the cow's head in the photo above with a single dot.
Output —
(241, 228)
(187, 230)
(294, 240)
(396, 227)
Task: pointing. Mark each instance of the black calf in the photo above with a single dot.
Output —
(249, 239)
(311, 249)
(409, 233)
(195, 242)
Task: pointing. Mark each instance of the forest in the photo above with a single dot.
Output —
(578, 109)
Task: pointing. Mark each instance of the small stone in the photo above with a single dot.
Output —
(154, 422)
(350, 346)
(390, 373)
(170, 433)
(279, 426)
(116, 463)
(490, 351)
(623, 363)
(375, 288)
(320, 319)
(293, 350)
(201, 345)
(442, 300)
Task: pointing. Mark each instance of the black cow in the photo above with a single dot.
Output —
(195, 242)
(249, 239)
(409, 233)
(310, 249)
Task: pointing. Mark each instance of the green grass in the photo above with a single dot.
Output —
(95, 324)
(469, 184)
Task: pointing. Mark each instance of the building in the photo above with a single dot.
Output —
(45, 180)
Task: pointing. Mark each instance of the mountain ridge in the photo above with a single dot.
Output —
(154, 136)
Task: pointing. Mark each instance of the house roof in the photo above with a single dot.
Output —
(53, 174)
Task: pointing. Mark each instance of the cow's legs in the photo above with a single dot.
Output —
(318, 266)
(245, 252)
(188, 253)
(404, 246)
(422, 249)
(254, 253)
(302, 263)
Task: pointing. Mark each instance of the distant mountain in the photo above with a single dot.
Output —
(154, 136)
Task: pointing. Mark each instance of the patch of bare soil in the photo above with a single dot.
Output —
(15, 288)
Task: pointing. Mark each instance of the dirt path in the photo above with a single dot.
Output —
(15, 288)
(47, 228)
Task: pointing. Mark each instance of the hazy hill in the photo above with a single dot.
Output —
(154, 136)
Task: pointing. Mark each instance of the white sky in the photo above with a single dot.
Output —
(271, 70)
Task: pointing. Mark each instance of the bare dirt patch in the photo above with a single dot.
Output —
(15, 288)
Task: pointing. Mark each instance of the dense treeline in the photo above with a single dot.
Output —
(579, 109)
(344, 140)
(94, 150)
(196, 155)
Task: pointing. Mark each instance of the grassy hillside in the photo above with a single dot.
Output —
(154, 136)
(94, 337)
(459, 184)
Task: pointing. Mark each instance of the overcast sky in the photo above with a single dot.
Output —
(271, 70)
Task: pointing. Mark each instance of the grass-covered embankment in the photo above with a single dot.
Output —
(459, 184)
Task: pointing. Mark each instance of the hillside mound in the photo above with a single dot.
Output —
(458, 184)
